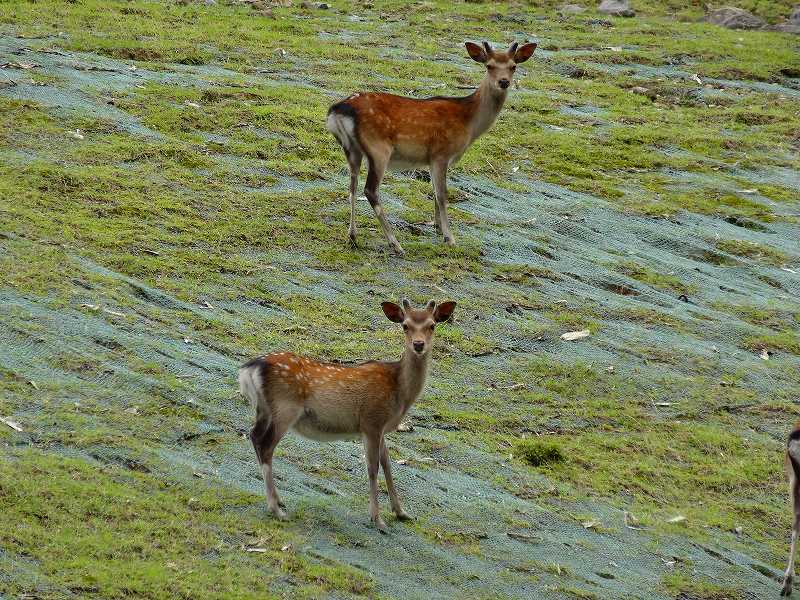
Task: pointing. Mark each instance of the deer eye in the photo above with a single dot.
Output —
(514, 68)
(432, 327)
(490, 67)
(405, 327)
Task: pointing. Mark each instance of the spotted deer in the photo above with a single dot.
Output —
(395, 132)
(330, 401)
(792, 464)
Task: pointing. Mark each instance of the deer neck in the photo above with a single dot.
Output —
(487, 103)
(411, 378)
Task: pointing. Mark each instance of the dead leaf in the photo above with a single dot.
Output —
(286, 548)
(591, 524)
(677, 519)
(93, 307)
(748, 191)
(113, 312)
(76, 134)
(18, 65)
(764, 354)
(631, 522)
(576, 335)
(405, 426)
(11, 423)
(262, 550)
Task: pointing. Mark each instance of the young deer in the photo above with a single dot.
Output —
(792, 463)
(398, 132)
(328, 401)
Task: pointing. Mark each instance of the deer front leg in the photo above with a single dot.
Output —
(439, 177)
(387, 472)
(789, 575)
(372, 445)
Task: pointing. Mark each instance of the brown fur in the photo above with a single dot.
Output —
(329, 401)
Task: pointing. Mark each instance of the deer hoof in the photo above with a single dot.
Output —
(404, 516)
(280, 514)
(380, 525)
(787, 587)
(398, 250)
(450, 241)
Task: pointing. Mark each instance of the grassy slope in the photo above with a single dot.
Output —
(111, 198)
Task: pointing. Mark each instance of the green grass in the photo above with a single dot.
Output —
(239, 200)
(102, 532)
(537, 453)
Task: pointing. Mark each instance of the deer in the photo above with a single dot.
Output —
(792, 465)
(326, 401)
(397, 132)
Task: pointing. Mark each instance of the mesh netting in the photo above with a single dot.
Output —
(480, 538)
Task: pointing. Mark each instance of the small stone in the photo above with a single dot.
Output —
(734, 18)
(571, 9)
(616, 8)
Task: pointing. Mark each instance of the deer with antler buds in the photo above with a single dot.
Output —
(400, 133)
(329, 401)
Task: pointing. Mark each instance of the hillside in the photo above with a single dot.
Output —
(171, 205)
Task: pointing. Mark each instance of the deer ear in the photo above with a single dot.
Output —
(524, 53)
(444, 311)
(476, 53)
(393, 312)
(430, 306)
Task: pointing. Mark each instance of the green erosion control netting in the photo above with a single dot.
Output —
(528, 546)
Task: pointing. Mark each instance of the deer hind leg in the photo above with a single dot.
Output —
(788, 577)
(372, 446)
(354, 158)
(439, 178)
(378, 161)
(387, 472)
(265, 435)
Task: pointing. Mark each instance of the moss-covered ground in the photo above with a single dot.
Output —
(171, 204)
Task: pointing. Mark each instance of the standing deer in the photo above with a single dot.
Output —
(398, 132)
(329, 401)
(792, 463)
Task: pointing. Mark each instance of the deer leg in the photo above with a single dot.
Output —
(387, 472)
(372, 445)
(788, 577)
(265, 436)
(439, 177)
(436, 218)
(377, 167)
(354, 161)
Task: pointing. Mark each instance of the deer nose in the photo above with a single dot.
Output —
(504, 83)
(419, 346)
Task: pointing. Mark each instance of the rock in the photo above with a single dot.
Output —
(643, 91)
(616, 8)
(734, 18)
(571, 9)
(792, 25)
(787, 27)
